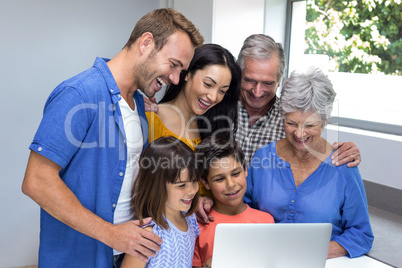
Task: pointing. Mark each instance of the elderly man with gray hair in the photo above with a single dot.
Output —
(263, 65)
(300, 183)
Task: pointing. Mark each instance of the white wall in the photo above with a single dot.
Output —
(42, 44)
(199, 13)
(275, 20)
(229, 22)
(235, 20)
(381, 154)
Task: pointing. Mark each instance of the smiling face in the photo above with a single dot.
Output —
(303, 129)
(205, 88)
(180, 194)
(227, 182)
(163, 67)
(259, 83)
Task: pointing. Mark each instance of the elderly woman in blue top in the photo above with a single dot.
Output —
(293, 179)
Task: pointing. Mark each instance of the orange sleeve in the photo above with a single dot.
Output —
(270, 219)
(264, 217)
(197, 257)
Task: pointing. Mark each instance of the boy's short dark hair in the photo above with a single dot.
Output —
(212, 149)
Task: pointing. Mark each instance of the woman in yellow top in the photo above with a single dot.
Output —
(203, 103)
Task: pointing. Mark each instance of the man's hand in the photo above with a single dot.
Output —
(150, 104)
(43, 184)
(204, 207)
(347, 152)
(130, 238)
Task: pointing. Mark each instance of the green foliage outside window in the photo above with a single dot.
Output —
(358, 36)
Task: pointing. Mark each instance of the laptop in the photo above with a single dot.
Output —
(281, 245)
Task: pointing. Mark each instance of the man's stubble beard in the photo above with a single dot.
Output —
(145, 73)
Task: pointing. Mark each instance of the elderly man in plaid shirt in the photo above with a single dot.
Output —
(263, 64)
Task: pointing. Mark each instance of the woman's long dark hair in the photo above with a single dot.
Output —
(221, 119)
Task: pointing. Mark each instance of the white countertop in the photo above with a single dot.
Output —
(359, 262)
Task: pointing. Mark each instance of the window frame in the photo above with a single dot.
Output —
(392, 129)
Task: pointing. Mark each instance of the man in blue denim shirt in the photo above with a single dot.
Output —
(79, 155)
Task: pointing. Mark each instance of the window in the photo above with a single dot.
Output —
(357, 43)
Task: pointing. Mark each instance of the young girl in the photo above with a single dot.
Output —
(166, 189)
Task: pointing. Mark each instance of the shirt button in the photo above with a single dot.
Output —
(114, 205)
(293, 201)
(39, 149)
(124, 141)
(121, 174)
(111, 90)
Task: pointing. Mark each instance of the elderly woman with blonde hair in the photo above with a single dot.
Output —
(293, 179)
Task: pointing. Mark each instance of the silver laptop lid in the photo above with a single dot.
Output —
(257, 245)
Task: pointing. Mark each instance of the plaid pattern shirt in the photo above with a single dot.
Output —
(267, 129)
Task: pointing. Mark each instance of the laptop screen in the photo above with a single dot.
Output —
(260, 245)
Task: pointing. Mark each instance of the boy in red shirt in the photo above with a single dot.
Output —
(224, 174)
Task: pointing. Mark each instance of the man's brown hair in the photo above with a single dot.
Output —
(162, 23)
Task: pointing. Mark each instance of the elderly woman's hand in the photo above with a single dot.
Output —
(335, 250)
(347, 153)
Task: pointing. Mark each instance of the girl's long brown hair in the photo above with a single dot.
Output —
(161, 163)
